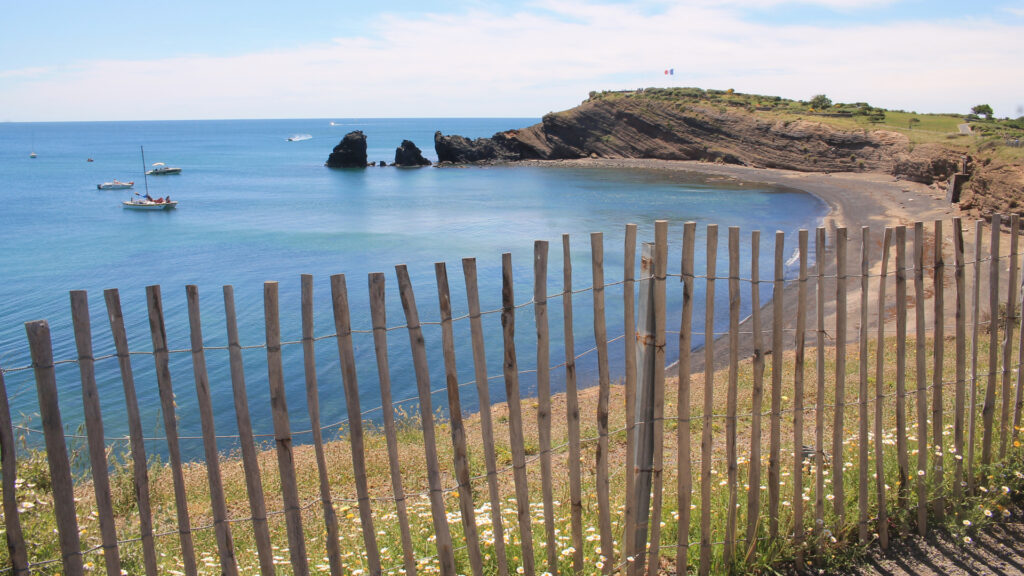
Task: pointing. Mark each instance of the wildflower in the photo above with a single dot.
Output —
(967, 540)
(967, 522)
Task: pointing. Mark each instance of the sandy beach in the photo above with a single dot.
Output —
(868, 199)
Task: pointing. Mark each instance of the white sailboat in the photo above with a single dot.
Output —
(147, 202)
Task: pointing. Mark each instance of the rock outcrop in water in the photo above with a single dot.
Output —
(408, 154)
(350, 152)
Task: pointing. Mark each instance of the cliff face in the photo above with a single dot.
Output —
(994, 187)
(651, 129)
(637, 128)
(700, 130)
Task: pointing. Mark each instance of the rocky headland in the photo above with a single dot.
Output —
(665, 124)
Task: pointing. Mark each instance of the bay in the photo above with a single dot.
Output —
(254, 207)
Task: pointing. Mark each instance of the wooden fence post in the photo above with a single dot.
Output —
(684, 480)
(988, 410)
(140, 468)
(350, 383)
(283, 432)
(775, 426)
(732, 470)
(158, 334)
(458, 430)
(540, 309)
(222, 530)
(757, 393)
(378, 314)
(658, 423)
(901, 368)
(709, 394)
(1011, 312)
(445, 552)
(921, 378)
(572, 409)
(644, 403)
(839, 418)
(883, 505)
(486, 424)
(798, 405)
(938, 349)
(961, 364)
(56, 451)
(604, 384)
(17, 552)
(250, 462)
(819, 404)
(862, 493)
(975, 327)
(94, 430)
(630, 376)
(313, 408)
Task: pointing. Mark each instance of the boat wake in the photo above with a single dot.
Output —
(299, 137)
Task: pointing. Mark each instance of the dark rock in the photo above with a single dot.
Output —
(408, 154)
(350, 152)
(642, 128)
(928, 163)
(502, 147)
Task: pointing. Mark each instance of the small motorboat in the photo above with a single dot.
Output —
(161, 168)
(299, 137)
(148, 203)
(31, 154)
(115, 185)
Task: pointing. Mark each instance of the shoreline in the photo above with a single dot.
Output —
(854, 198)
(872, 199)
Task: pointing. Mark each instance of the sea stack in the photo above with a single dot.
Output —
(408, 154)
(350, 152)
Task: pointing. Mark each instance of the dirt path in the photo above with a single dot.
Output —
(997, 550)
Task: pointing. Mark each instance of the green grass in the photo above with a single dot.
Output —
(987, 141)
(835, 547)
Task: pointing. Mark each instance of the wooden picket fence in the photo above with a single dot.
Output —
(645, 437)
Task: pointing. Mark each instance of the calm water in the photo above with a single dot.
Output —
(254, 207)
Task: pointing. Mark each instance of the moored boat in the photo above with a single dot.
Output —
(116, 185)
(147, 202)
(161, 168)
(142, 203)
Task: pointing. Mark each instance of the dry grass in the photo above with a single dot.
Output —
(835, 536)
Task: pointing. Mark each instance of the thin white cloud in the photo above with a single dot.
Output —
(530, 62)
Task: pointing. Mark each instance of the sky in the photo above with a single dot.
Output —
(68, 60)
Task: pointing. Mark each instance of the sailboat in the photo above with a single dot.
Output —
(147, 202)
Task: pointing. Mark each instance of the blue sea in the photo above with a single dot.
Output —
(254, 207)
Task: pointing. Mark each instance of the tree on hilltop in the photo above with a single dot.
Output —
(820, 102)
(983, 110)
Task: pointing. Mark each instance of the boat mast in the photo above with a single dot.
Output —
(145, 178)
